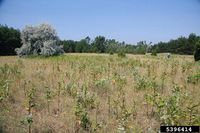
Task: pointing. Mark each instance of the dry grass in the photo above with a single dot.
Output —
(89, 70)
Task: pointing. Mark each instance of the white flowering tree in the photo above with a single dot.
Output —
(39, 40)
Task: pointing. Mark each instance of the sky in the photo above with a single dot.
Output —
(124, 20)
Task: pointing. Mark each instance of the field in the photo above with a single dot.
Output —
(98, 93)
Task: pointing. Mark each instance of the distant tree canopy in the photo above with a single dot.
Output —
(39, 40)
(182, 45)
(9, 40)
(68, 46)
(42, 40)
(102, 45)
(99, 44)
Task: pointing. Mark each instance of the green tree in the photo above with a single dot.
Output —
(68, 45)
(181, 45)
(9, 40)
(141, 47)
(82, 46)
(99, 44)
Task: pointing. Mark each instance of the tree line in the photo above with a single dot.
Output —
(10, 40)
(102, 45)
(181, 45)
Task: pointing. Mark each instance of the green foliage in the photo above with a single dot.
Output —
(7, 71)
(82, 116)
(197, 53)
(49, 94)
(68, 45)
(85, 99)
(31, 98)
(163, 78)
(143, 82)
(194, 78)
(75, 80)
(124, 114)
(85, 122)
(7, 75)
(141, 47)
(111, 52)
(103, 45)
(102, 85)
(191, 113)
(186, 67)
(119, 81)
(30, 103)
(172, 112)
(9, 40)
(82, 46)
(121, 110)
(154, 53)
(181, 45)
(99, 44)
(121, 54)
(4, 89)
(48, 97)
(169, 109)
(28, 120)
(83, 103)
(71, 89)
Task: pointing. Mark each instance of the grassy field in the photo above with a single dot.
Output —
(98, 93)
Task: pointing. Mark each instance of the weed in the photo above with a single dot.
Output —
(194, 78)
(48, 97)
(71, 89)
(31, 102)
(83, 102)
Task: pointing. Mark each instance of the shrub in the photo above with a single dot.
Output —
(197, 54)
(121, 54)
(111, 52)
(39, 40)
(197, 51)
(154, 53)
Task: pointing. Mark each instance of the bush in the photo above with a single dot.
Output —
(154, 53)
(111, 52)
(197, 54)
(121, 54)
(39, 40)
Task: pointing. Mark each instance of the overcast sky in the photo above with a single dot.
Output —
(124, 20)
